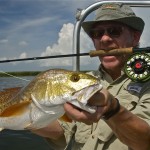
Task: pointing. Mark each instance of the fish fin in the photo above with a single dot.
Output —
(65, 118)
(15, 109)
(8, 94)
(10, 90)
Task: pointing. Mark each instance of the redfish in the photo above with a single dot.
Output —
(41, 101)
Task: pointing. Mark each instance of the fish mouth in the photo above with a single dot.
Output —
(80, 98)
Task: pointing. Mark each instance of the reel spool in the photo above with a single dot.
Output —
(137, 67)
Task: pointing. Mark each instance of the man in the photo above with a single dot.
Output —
(122, 119)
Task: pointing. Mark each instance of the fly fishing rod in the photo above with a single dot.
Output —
(92, 53)
(137, 66)
(44, 57)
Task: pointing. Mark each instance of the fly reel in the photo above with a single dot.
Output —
(137, 67)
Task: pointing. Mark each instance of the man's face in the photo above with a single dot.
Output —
(112, 35)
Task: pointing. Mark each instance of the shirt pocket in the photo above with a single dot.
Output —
(128, 99)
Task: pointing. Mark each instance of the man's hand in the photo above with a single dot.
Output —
(102, 99)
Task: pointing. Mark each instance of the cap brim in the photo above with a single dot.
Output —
(133, 22)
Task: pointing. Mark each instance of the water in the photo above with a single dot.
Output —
(9, 82)
(20, 140)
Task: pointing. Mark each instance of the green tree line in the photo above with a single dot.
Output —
(23, 73)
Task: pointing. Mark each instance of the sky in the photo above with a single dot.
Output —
(34, 28)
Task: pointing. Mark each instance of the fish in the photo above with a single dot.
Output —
(41, 101)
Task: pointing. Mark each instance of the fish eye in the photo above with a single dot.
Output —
(75, 78)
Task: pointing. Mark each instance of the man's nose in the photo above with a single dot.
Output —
(105, 37)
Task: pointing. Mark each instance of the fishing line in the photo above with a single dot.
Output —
(14, 76)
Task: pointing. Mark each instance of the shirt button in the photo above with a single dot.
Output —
(93, 136)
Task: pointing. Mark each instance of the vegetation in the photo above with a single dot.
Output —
(24, 73)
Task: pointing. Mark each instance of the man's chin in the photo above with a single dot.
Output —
(110, 62)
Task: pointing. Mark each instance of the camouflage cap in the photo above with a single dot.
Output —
(117, 12)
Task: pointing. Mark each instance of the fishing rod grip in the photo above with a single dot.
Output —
(94, 53)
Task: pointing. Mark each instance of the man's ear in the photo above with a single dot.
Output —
(93, 41)
(136, 36)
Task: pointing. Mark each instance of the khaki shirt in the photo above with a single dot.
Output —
(98, 136)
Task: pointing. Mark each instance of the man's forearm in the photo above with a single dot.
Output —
(130, 129)
(52, 131)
